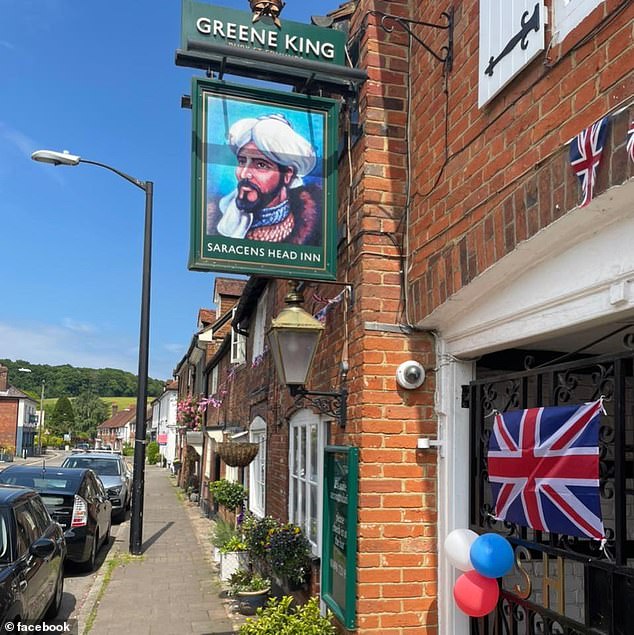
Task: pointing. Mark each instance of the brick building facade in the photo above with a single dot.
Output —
(463, 242)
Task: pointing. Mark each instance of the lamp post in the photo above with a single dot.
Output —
(40, 421)
(293, 339)
(136, 518)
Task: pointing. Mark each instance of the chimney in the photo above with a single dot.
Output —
(4, 378)
(113, 409)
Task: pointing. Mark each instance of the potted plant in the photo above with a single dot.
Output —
(288, 554)
(233, 556)
(256, 534)
(229, 494)
(250, 589)
(279, 616)
(220, 536)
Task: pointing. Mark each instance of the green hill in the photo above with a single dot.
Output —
(69, 381)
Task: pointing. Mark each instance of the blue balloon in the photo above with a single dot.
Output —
(491, 555)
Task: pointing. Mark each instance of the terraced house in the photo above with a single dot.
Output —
(483, 248)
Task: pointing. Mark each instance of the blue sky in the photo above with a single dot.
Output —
(97, 79)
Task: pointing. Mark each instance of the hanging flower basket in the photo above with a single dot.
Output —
(237, 454)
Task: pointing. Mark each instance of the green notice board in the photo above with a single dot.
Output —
(339, 552)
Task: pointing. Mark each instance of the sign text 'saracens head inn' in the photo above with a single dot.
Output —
(220, 25)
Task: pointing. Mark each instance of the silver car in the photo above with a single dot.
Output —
(113, 472)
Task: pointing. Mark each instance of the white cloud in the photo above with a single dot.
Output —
(78, 327)
(55, 345)
(82, 345)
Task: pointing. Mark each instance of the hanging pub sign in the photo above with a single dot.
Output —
(263, 182)
(339, 544)
(225, 40)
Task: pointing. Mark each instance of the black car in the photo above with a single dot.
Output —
(76, 499)
(32, 552)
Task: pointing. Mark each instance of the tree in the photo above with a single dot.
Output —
(62, 420)
(90, 411)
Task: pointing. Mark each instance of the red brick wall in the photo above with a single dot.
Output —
(507, 175)
(8, 423)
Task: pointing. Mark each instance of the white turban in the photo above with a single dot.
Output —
(275, 138)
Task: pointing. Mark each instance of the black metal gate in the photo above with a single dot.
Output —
(562, 585)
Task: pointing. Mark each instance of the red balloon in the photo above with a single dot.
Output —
(476, 595)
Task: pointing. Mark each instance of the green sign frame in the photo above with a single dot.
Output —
(298, 135)
(339, 544)
(203, 23)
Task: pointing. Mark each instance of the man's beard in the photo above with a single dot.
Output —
(262, 199)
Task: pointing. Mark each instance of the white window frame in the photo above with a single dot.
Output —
(238, 345)
(231, 474)
(213, 388)
(568, 14)
(302, 489)
(259, 326)
(257, 468)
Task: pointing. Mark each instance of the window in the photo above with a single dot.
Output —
(26, 529)
(500, 23)
(257, 468)
(238, 346)
(259, 327)
(307, 442)
(213, 388)
(570, 13)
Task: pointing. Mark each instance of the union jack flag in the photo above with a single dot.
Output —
(630, 140)
(544, 469)
(585, 155)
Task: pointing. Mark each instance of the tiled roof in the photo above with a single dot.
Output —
(229, 286)
(119, 419)
(206, 316)
(172, 385)
(14, 393)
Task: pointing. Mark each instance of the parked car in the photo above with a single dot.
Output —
(32, 552)
(114, 473)
(76, 499)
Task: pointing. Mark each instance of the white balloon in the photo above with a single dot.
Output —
(457, 546)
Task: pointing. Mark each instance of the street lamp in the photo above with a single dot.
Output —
(136, 518)
(293, 339)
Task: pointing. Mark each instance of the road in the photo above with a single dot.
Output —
(77, 584)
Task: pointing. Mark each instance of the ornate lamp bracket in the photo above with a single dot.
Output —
(332, 404)
(389, 22)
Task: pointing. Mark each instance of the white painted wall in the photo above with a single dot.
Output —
(577, 272)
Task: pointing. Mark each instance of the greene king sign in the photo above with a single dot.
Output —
(220, 25)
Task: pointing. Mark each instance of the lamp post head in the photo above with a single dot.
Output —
(55, 158)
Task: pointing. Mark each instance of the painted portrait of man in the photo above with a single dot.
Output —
(264, 181)
(270, 200)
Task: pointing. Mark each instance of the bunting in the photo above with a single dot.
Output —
(585, 155)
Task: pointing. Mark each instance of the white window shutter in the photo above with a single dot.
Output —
(502, 23)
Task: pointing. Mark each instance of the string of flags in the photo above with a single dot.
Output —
(329, 304)
(586, 151)
(216, 400)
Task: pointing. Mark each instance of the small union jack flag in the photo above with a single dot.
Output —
(544, 469)
(630, 140)
(585, 155)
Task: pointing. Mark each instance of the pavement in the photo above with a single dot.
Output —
(173, 587)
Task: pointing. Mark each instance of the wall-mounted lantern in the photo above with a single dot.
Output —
(293, 340)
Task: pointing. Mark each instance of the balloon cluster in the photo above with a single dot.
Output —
(483, 559)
